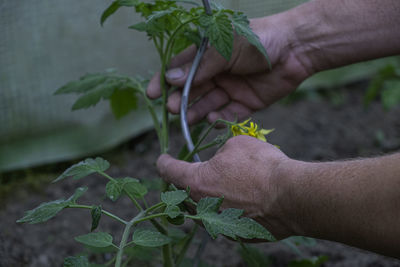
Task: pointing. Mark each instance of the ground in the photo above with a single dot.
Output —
(319, 127)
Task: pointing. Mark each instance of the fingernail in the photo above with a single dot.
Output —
(174, 74)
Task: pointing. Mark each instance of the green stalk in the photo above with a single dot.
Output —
(186, 245)
(154, 117)
(75, 206)
(124, 239)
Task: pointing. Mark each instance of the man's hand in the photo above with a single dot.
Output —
(237, 88)
(248, 173)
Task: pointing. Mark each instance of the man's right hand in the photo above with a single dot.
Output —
(235, 89)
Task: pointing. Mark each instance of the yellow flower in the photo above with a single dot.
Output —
(250, 130)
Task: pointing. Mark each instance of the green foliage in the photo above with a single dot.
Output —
(84, 168)
(254, 257)
(228, 222)
(120, 90)
(80, 261)
(98, 240)
(95, 212)
(312, 262)
(149, 238)
(219, 31)
(171, 27)
(48, 210)
(385, 84)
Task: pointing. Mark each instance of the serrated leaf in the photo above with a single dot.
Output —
(80, 261)
(228, 222)
(102, 91)
(99, 240)
(84, 168)
(173, 211)
(95, 212)
(173, 198)
(44, 212)
(48, 210)
(122, 102)
(218, 29)
(111, 9)
(133, 188)
(242, 27)
(113, 190)
(83, 85)
(209, 205)
(148, 238)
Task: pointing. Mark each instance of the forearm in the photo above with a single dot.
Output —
(334, 33)
(353, 202)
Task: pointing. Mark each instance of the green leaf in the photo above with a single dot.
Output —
(102, 91)
(99, 239)
(228, 222)
(173, 198)
(80, 261)
(133, 188)
(141, 253)
(141, 27)
(111, 9)
(83, 85)
(242, 27)
(128, 2)
(96, 216)
(312, 262)
(44, 212)
(148, 238)
(113, 190)
(218, 29)
(376, 84)
(391, 94)
(254, 257)
(48, 210)
(209, 205)
(78, 193)
(173, 211)
(122, 102)
(84, 168)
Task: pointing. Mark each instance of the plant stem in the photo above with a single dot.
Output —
(154, 117)
(134, 201)
(186, 245)
(164, 89)
(107, 176)
(155, 207)
(151, 217)
(75, 206)
(124, 238)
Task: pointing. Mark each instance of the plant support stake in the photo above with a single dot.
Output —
(188, 85)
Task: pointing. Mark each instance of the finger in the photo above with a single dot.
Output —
(174, 100)
(175, 171)
(239, 90)
(213, 100)
(233, 111)
(153, 89)
(184, 57)
(211, 64)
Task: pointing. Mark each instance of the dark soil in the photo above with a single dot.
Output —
(311, 129)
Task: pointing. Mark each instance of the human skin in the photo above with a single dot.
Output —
(356, 202)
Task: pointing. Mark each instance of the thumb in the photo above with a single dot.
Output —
(211, 64)
(175, 171)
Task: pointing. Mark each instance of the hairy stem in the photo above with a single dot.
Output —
(124, 238)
